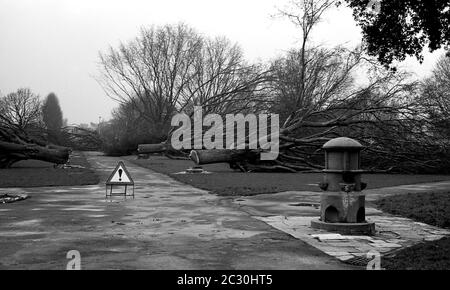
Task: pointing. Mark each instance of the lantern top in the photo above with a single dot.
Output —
(342, 143)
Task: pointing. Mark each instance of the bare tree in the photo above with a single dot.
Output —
(329, 76)
(224, 82)
(305, 14)
(435, 98)
(21, 109)
(168, 69)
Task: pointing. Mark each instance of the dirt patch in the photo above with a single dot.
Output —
(10, 198)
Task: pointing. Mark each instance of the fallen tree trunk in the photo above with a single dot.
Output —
(202, 157)
(11, 153)
(243, 160)
(17, 145)
(152, 148)
(165, 148)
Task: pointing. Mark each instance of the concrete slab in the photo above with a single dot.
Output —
(340, 245)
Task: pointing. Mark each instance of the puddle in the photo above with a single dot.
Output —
(306, 204)
(96, 215)
(389, 234)
(82, 209)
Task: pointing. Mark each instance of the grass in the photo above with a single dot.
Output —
(227, 182)
(34, 173)
(430, 208)
(425, 256)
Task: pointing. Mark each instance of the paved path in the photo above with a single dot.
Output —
(168, 225)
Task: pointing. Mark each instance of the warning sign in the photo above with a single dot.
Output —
(119, 177)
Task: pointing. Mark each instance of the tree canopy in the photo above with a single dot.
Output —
(171, 68)
(395, 29)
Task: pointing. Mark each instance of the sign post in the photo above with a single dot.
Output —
(119, 177)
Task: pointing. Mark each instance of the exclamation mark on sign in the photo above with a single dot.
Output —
(120, 174)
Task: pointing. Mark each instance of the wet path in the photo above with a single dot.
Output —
(169, 225)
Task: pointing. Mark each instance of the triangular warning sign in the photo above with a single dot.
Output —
(120, 175)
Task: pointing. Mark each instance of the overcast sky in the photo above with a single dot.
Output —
(53, 45)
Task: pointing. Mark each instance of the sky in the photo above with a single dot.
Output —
(53, 45)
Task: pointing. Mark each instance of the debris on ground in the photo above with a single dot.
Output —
(9, 198)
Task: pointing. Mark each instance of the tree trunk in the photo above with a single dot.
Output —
(202, 157)
(13, 152)
(152, 148)
(243, 160)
